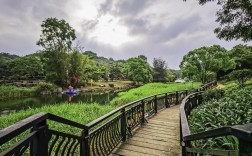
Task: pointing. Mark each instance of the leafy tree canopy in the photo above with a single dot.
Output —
(242, 54)
(56, 34)
(90, 54)
(159, 69)
(203, 63)
(235, 19)
(138, 70)
(8, 56)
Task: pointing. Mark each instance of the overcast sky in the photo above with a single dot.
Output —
(115, 28)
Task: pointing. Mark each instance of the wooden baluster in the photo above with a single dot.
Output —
(155, 104)
(39, 145)
(123, 124)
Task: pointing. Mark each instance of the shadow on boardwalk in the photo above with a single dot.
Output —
(160, 136)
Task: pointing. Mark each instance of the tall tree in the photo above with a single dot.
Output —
(159, 69)
(57, 36)
(203, 63)
(242, 54)
(235, 19)
(138, 70)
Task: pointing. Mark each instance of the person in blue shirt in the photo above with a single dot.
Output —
(70, 92)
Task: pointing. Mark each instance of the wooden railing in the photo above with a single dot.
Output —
(98, 137)
(242, 132)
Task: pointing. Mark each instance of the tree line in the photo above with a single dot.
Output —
(61, 63)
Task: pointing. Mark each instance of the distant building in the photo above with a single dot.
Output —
(179, 81)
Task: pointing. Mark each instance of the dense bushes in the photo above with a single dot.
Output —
(212, 94)
(233, 109)
(45, 88)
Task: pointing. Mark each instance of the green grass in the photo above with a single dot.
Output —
(235, 108)
(79, 112)
(232, 85)
(13, 91)
(150, 89)
(116, 83)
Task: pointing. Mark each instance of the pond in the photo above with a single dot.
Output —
(14, 105)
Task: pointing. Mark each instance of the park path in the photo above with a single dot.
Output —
(158, 137)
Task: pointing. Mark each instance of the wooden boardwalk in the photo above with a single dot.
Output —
(160, 136)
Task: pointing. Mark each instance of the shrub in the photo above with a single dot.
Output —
(45, 88)
(234, 108)
(111, 85)
(213, 94)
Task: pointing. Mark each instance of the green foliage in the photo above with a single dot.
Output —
(45, 88)
(234, 18)
(203, 63)
(150, 89)
(242, 54)
(56, 66)
(91, 54)
(159, 70)
(56, 34)
(28, 66)
(170, 76)
(213, 94)
(13, 91)
(234, 108)
(81, 66)
(138, 70)
(74, 112)
(241, 76)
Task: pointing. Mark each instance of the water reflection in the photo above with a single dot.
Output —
(13, 105)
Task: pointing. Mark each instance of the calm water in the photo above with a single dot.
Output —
(14, 105)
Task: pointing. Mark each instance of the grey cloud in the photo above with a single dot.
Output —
(152, 25)
(181, 26)
(124, 7)
(89, 25)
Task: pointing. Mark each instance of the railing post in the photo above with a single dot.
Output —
(39, 145)
(177, 100)
(184, 145)
(123, 124)
(142, 106)
(245, 147)
(84, 145)
(166, 100)
(155, 104)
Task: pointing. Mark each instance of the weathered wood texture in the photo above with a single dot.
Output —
(160, 136)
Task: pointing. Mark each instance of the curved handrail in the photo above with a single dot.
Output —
(106, 116)
(243, 132)
(120, 124)
(185, 130)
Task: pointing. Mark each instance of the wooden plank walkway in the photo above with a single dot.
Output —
(160, 136)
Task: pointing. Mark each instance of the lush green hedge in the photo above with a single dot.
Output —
(234, 108)
(150, 89)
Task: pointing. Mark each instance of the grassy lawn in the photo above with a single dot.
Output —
(150, 89)
(80, 112)
(116, 83)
